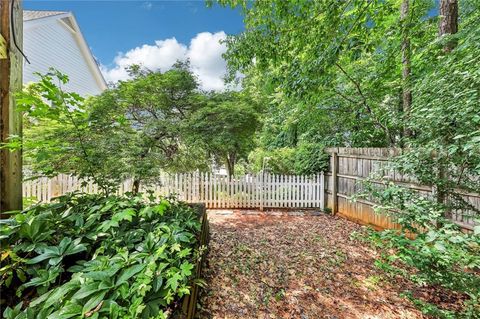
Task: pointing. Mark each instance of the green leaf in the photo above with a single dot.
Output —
(440, 246)
(186, 268)
(128, 273)
(98, 275)
(86, 290)
(41, 299)
(60, 292)
(41, 258)
(172, 282)
(94, 301)
(476, 230)
(68, 311)
(125, 214)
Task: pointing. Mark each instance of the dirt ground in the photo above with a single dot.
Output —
(279, 265)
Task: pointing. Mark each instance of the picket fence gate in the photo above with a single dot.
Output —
(216, 191)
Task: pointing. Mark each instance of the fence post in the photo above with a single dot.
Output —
(53, 188)
(322, 191)
(334, 183)
(261, 191)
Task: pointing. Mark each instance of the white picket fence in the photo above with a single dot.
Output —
(248, 191)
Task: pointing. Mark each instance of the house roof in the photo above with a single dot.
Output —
(34, 17)
(35, 14)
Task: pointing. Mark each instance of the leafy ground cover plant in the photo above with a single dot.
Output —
(97, 257)
(429, 250)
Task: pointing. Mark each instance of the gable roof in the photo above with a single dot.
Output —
(34, 17)
(35, 14)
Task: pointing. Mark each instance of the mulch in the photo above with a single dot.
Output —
(283, 265)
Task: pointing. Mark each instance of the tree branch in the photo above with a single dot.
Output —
(365, 104)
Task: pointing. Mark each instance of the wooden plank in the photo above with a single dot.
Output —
(214, 191)
(334, 182)
(260, 192)
(282, 190)
(274, 191)
(10, 119)
(323, 203)
(304, 191)
(222, 191)
(311, 192)
(242, 192)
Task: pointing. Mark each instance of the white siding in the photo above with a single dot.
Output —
(53, 45)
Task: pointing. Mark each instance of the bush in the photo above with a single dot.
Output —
(306, 159)
(278, 161)
(310, 158)
(429, 249)
(97, 257)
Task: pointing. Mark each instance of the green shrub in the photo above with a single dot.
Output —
(306, 159)
(278, 161)
(310, 159)
(97, 257)
(429, 250)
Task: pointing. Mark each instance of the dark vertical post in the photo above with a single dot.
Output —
(10, 119)
(335, 182)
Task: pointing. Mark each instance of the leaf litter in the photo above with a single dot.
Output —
(295, 265)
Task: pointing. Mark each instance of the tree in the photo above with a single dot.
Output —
(406, 62)
(133, 130)
(448, 24)
(225, 125)
(381, 73)
(58, 138)
(154, 104)
(335, 59)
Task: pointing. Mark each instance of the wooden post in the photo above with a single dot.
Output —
(322, 191)
(261, 187)
(10, 120)
(334, 183)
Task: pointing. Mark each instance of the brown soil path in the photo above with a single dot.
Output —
(282, 266)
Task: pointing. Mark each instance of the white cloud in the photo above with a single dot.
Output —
(204, 51)
(147, 5)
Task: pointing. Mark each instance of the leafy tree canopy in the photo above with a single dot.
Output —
(225, 126)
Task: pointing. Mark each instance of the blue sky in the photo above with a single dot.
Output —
(114, 27)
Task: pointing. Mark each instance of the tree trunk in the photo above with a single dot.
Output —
(231, 164)
(448, 25)
(406, 65)
(136, 186)
(448, 21)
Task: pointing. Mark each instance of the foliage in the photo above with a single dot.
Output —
(333, 73)
(311, 158)
(225, 126)
(132, 130)
(307, 159)
(155, 106)
(444, 152)
(335, 66)
(445, 116)
(99, 257)
(278, 161)
(56, 138)
(436, 248)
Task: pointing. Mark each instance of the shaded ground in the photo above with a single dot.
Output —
(284, 266)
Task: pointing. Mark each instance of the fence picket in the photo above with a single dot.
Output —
(216, 191)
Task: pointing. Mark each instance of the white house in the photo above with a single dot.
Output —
(54, 39)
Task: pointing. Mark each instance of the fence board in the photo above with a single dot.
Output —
(249, 191)
(355, 165)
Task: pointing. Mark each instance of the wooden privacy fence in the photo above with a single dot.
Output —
(349, 167)
(248, 191)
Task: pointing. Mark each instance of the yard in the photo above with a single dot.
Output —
(364, 111)
(299, 265)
